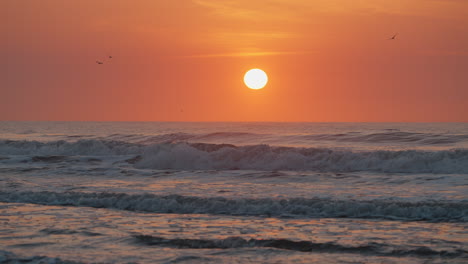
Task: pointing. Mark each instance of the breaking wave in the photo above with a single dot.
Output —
(265, 157)
(389, 136)
(436, 211)
(392, 137)
(193, 156)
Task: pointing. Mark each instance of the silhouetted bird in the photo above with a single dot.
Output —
(394, 37)
(99, 62)
(110, 57)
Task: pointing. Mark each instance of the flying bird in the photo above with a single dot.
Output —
(99, 62)
(110, 57)
(394, 37)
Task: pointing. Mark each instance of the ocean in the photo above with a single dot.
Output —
(173, 192)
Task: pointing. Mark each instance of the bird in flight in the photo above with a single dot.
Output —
(102, 61)
(394, 37)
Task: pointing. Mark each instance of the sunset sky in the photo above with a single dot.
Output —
(184, 60)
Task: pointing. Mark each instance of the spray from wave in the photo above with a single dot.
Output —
(202, 156)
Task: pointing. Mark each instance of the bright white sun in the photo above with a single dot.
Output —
(255, 79)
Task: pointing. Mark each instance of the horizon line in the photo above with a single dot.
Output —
(155, 121)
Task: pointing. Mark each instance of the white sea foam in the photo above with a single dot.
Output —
(294, 207)
(192, 156)
(264, 157)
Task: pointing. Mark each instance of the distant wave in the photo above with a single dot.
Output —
(27, 131)
(387, 136)
(391, 137)
(437, 211)
(68, 148)
(193, 156)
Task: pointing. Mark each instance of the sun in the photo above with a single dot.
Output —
(255, 79)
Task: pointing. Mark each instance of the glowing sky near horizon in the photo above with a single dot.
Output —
(327, 60)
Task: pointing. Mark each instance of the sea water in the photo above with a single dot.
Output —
(152, 192)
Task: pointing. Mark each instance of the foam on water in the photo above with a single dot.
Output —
(201, 156)
(438, 211)
(265, 157)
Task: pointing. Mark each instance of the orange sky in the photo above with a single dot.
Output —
(184, 60)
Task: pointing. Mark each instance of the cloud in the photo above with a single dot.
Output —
(246, 54)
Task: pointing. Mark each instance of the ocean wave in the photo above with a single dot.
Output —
(302, 246)
(151, 139)
(91, 147)
(195, 156)
(385, 137)
(435, 211)
(265, 157)
(391, 137)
